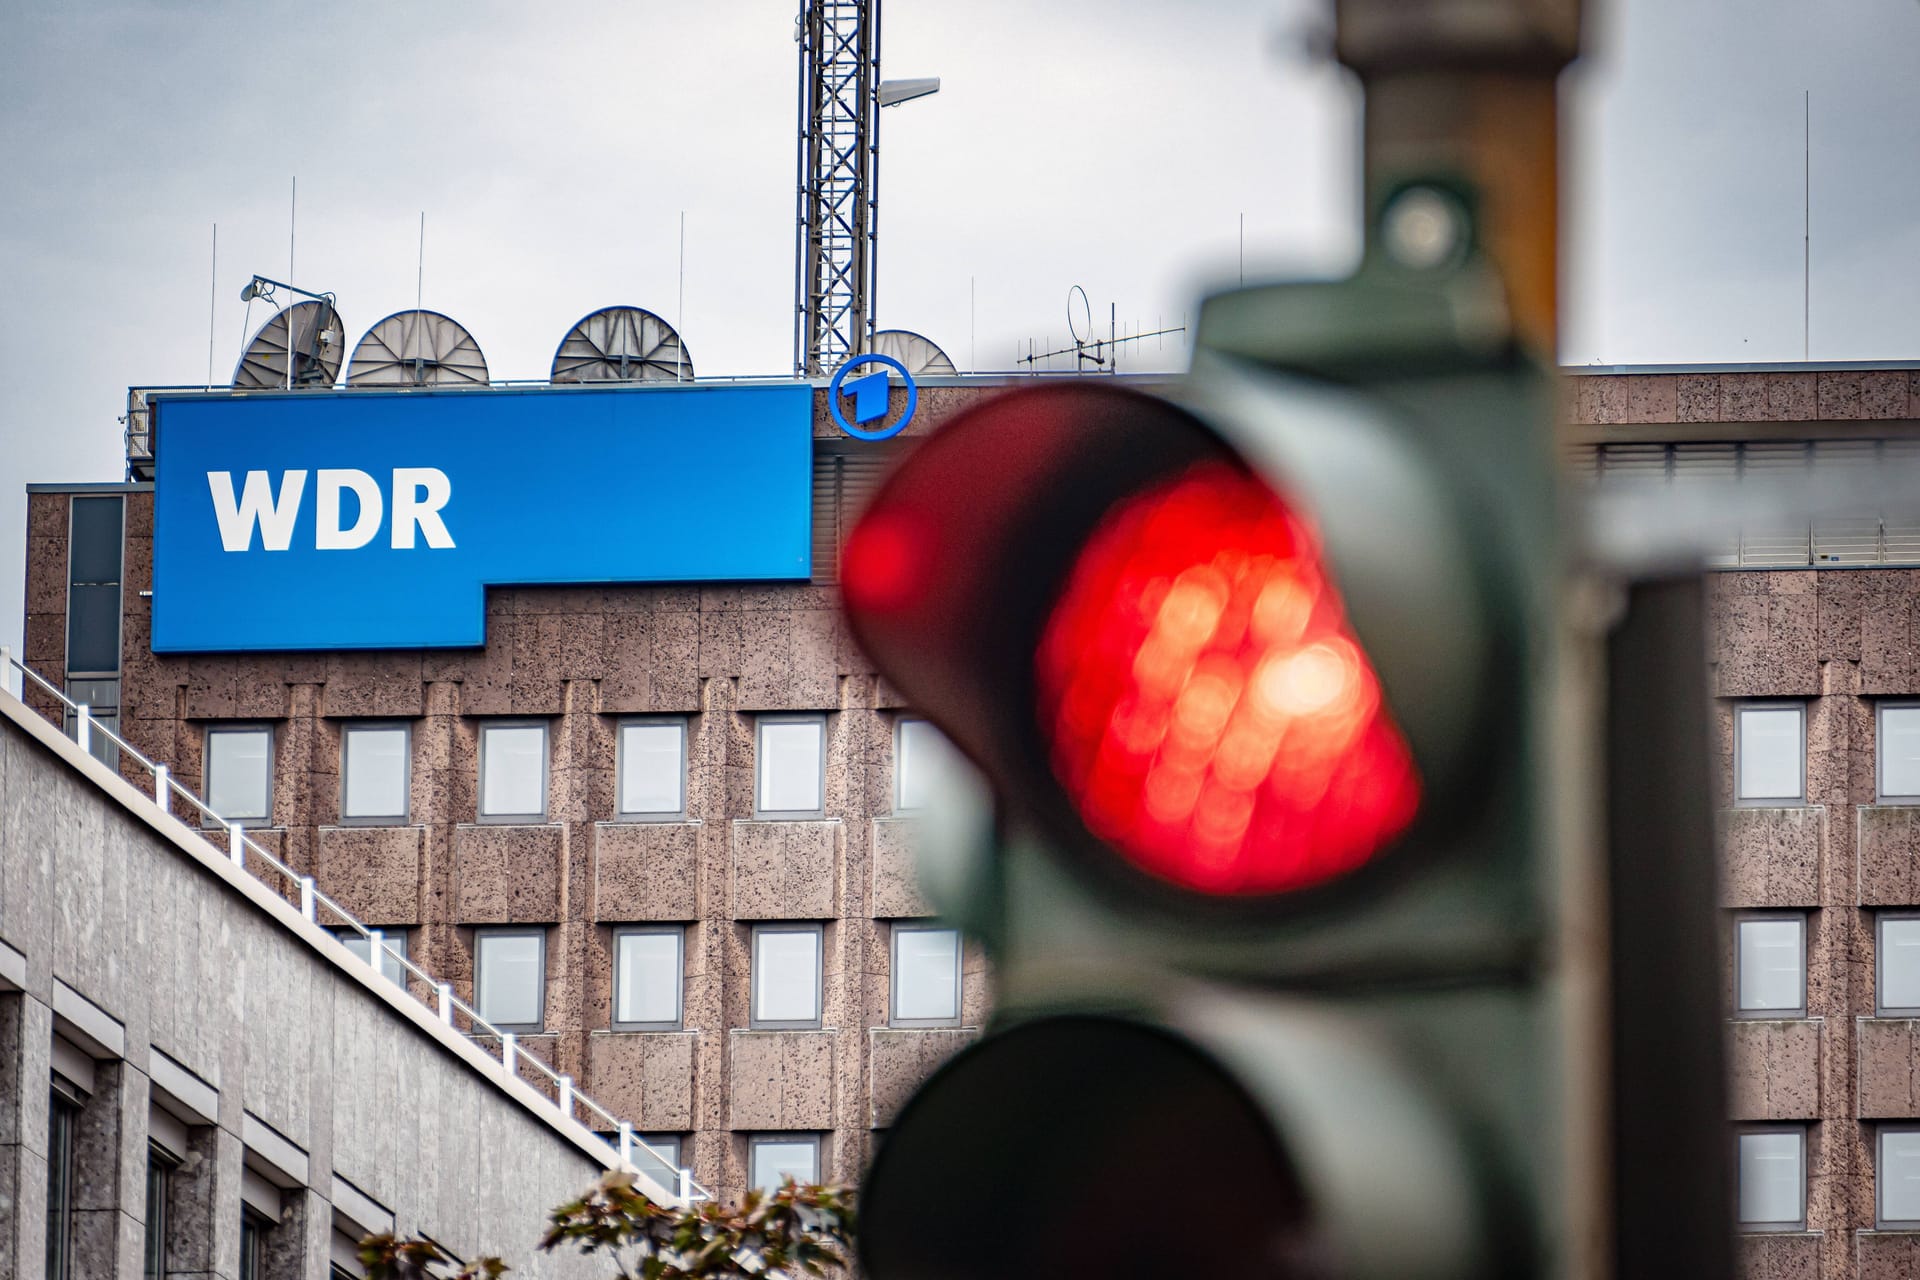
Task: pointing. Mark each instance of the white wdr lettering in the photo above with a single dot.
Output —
(257, 506)
(418, 495)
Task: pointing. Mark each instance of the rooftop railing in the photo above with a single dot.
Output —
(247, 855)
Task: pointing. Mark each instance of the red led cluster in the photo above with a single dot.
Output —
(1208, 709)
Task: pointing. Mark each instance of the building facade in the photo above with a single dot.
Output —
(1816, 675)
(657, 832)
(195, 1080)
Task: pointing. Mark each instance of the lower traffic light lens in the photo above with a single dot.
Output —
(1207, 708)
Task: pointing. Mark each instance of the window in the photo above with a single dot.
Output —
(513, 773)
(160, 1167)
(509, 977)
(1770, 754)
(393, 943)
(60, 1125)
(921, 753)
(240, 773)
(790, 779)
(786, 976)
(376, 767)
(1773, 1187)
(664, 1145)
(1896, 968)
(926, 976)
(1899, 741)
(653, 769)
(647, 978)
(1897, 1178)
(94, 542)
(1770, 966)
(253, 1230)
(658, 1156)
(776, 1157)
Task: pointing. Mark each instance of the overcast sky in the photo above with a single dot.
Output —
(1113, 144)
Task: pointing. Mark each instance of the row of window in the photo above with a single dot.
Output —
(650, 765)
(649, 976)
(1773, 1178)
(1770, 753)
(1770, 964)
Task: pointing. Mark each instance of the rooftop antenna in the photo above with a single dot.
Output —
(1089, 348)
(417, 349)
(622, 344)
(213, 291)
(837, 196)
(420, 270)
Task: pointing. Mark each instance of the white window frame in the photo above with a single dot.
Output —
(1762, 1228)
(539, 932)
(1761, 917)
(206, 772)
(1881, 1009)
(624, 814)
(893, 974)
(754, 1021)
(1880, 793)
(400, 819)
(390, 966)
(546, 775)
(1881, 1221)
(760, 760)
(758, 1140)
(679, 935)
(1770, 802)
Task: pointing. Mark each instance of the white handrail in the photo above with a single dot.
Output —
(248, 855)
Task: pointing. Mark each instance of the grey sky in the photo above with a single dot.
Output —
(1108, 143)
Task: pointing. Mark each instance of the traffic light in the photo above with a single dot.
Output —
(1262, 679)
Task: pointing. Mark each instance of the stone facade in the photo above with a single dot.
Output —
(172, 998)
(1836, 640)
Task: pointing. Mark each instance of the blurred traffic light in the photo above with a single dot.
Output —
(1262, 683)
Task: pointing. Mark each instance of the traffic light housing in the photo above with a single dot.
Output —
(1261, 679)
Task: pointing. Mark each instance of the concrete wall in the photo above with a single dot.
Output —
(197, 990)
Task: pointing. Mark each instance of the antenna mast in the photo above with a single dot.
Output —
(839, 113)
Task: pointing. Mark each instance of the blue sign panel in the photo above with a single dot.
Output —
(363, 519)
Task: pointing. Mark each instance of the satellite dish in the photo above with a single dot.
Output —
(417, 349)
(622, 344)
(918, 354)
(315, 331)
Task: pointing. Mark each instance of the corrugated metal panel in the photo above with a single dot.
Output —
(1787, 541)
(1707, 466)
(1582, 463)
(1632, 462)
(1900, 524)
(1846, 535)
(842, 485)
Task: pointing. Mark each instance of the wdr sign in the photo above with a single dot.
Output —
(362, 519)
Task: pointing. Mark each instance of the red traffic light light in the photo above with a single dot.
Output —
(1206, 706)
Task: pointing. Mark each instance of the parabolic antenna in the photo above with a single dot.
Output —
(918, 354)
(316, 333)
(622, 344)
(417, 349)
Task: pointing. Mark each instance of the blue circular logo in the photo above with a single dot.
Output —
(869, 395)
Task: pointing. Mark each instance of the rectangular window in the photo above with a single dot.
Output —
(653, 769)
(1770, 754)
(658, 1156)
(1897, 965)
(790, 761)
(647, 971)
(253, 1230)
(786, 976)
(509, 977)
(773, 1158)
(920, 754)
(1897, 1175)
(664, 1145)
(240, 773)
(1899, 754)
(1773, 1185)
(513, 773)
(1770, 966)
(159, 1170)
(60, 1125)
(926, 976)
(393, 945)
(94, 543)
(376, 769)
